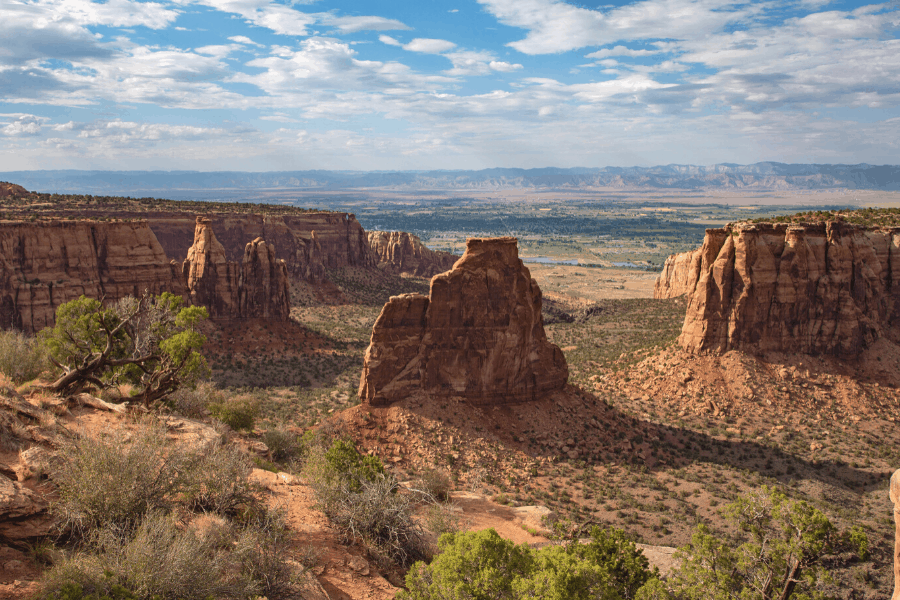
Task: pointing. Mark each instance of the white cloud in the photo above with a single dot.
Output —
(242, 39)
(217, 51)
(24, 125)
(555, 26)
(453, 10)
(429, 46)
(620, 51)
(386, 39)
(504, 67)
(352, 24)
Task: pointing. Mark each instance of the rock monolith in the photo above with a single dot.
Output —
(479, 335)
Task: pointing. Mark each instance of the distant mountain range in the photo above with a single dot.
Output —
(757, 177)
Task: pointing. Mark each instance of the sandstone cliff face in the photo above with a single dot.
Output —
(45, 264)
(308, 243)
(679, 275)
(256, 287)
(479, 335)
(401, 252)
(263, 286)
(827, 288)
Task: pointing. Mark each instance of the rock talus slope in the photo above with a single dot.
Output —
(479, 335)
(401, 252)
(829, 288)
(257, 287)
(45, 264)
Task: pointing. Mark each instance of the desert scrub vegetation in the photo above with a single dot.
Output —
(363, 501)
(482, 565)
(151, 519)
(22, 357)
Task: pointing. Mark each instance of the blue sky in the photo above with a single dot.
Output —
(263, 85)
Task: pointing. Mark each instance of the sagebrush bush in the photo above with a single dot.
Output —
(436, 483)
(115, 478)
(22, 357)
(215, 477)
(194, 402)
(237, 413)
(283, 444)
(362, 503)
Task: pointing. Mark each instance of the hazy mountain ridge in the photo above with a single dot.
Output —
(759, 176)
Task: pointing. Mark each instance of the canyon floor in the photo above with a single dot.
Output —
(646, 437)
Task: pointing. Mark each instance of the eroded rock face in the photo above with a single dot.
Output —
(46, 264)
(263, 286)
(895, 500)
(479, 335)
(257, 287)
(830, 288)
(401, 252)
(679, 275)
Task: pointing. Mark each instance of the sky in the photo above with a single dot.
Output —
(266, 85)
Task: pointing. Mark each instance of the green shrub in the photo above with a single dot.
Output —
(237, 413)
(22, 358)
(483, 566)
(362, 502)
(283, 444)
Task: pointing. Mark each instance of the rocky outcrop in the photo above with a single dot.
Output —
(309, 243)
(263, 285)
(401, 252)
(830, 288)
(479, 335)
(257, 287)
(45, 264)
(679, 275)
(11, 189)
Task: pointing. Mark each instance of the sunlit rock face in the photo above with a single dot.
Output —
(831, 288)
(479, 335)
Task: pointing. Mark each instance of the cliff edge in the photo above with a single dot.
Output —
(404, 253)
(479, 335)
(819, 288)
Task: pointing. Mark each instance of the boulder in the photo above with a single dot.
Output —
(479, 335)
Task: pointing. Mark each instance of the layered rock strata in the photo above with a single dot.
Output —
(403, 253)
(309, 244)
(829, 288)
(895, 500)
(479, 335)
(257, 287)
(45, 264)
(679, 275)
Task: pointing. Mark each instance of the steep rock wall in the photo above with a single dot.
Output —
(401, 252)
(255, 287)
(478, 335)
(679, 275)
(308, 243)
(45, 264)
(830, 288)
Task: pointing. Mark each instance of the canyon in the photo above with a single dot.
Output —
(815, 288)
(479, 335)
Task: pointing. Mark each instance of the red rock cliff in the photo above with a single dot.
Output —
(308, 243)
(479, 335)
(679, 275)
(829, 288)
(401, 252)
(45, 264)
(256, 287)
